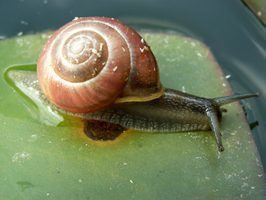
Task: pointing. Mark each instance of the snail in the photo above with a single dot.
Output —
(99, 69)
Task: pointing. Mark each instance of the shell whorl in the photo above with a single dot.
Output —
(81, 56)
(90, 62)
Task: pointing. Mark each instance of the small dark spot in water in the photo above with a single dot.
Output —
(244, 109)
(24, 185)
(160, 172)
(98, 130)
(57, 170)
(140, 145)
(223, 110)
(253, 125)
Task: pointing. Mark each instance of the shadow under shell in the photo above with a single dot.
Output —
(99, 130)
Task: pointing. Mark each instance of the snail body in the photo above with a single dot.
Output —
(175, 111)
(99, 69)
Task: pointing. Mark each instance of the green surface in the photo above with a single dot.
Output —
(53, 159)
(258, 7)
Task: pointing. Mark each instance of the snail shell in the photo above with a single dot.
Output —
(93, 62)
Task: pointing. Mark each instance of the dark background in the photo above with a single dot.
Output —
(235, 36)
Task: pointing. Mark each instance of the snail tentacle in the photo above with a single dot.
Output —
(220, 101)
(214, 124)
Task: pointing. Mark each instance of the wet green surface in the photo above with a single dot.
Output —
(40, 160)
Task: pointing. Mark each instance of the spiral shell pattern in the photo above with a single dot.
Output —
(92, 62)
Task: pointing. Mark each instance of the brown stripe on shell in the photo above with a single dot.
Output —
(122, 69)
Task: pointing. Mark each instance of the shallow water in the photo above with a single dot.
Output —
(235, 36)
